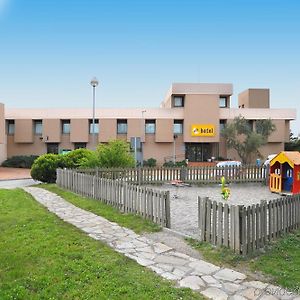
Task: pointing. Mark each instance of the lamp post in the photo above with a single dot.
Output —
(94, 83)
(175, 136)
(142, 136)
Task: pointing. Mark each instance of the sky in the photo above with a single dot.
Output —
(51, 49)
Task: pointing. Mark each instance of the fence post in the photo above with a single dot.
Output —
(183, 172)
(168, 210)
(139, 173)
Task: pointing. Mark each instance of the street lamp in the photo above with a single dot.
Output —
(175, 136)
(94, 83)
(142, 137)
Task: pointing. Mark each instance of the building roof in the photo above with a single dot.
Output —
(290, 157)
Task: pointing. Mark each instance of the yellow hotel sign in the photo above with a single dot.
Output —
(203, 130)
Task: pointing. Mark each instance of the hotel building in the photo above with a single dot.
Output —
(186, 126)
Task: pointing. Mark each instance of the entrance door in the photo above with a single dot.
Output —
(197, 152)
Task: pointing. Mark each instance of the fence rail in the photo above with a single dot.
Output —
(148, 203)
(205, 174)
(246, 229)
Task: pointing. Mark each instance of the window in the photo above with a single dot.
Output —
(178, 127)
(11, 127)
(96, 128)
(65, 126)
(178, 101)
(222, 124)
(38, 127)
(52, 148)
(223, 101)
(79, 145)
(150, 126)
(250, 124)
(121, 126)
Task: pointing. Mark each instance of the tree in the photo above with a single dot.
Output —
(293, 144)
(240, 136)
(115, 154)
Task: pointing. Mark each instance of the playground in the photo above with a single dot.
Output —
(184, 205)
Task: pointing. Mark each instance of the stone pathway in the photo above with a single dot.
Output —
(210, 280)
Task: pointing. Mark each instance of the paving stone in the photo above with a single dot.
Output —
(268, 297)
(232, 287)
(160, 248)
(237, 297)
(169, 276)
(170, 260)
(210, 280)
(147, 255)
(156, 269)
(192, 282)
(144, 262)
(215, 293)
(178, 254)
(178, 272)
(125, 245)
(166, 267)
(255, 284)
(229, 275)
(203, 268)
(251, 293)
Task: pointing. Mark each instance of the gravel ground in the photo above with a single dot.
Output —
(184, 215)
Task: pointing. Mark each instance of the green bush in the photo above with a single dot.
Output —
(44, 167)
(170, 164)
(114, 154)
(20, 161)
(76, 158)
(151, 162)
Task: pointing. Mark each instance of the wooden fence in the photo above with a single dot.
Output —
(196, 175)
(246, 229)
(129, 198)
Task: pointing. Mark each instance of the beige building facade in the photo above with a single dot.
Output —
(186, 126)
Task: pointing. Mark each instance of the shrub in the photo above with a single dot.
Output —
(151, 162)
(44, 167)
(20, 161)
(76, 158)
(114, 154)
(170, 164)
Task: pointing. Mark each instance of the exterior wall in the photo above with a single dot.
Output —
(201, 109)
(52, 130)
(163, 151)
(23, 131)
(38, 147)
(279, 135)
(164, 131)
(79, 132)
(108, 130)
(201, 106)
(254, 98)
(3, 147)
(135, 128)
(2, 124)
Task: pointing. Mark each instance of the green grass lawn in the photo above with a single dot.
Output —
(134, 222)
(42, 257)
(280, 262)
